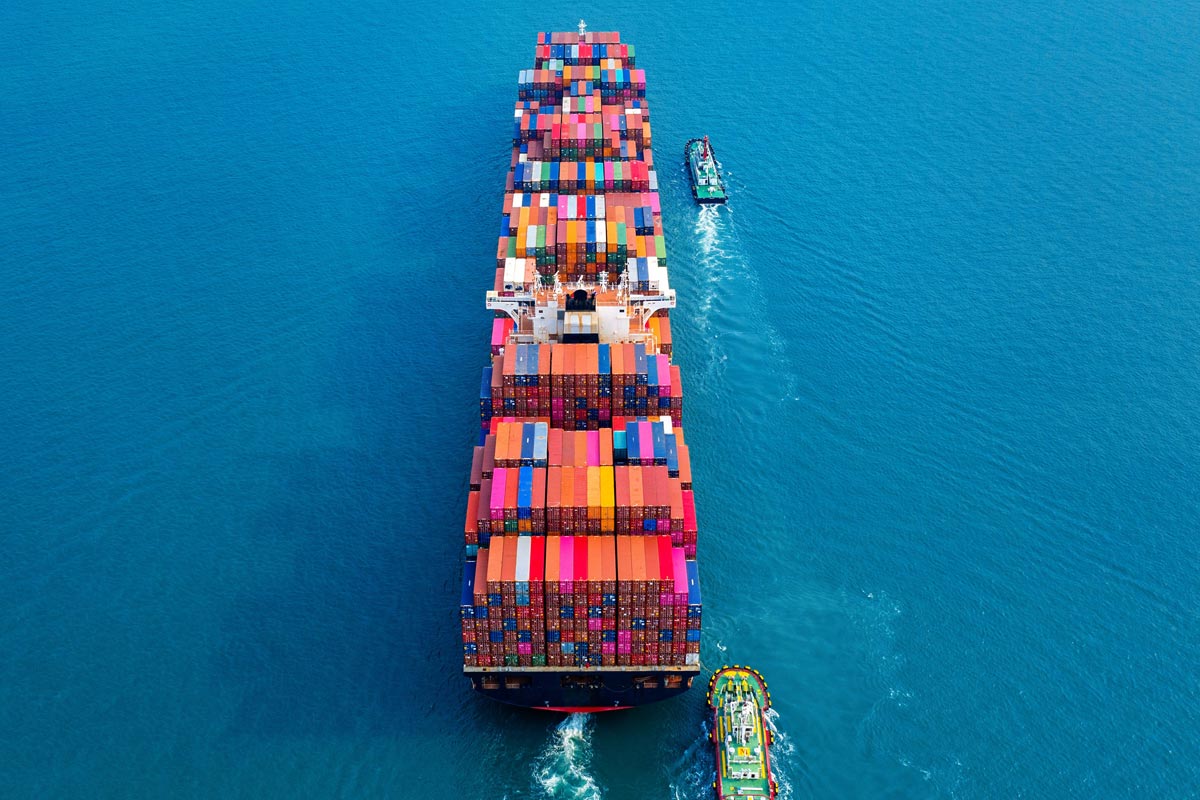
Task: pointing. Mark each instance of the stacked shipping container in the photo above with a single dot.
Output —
(580, 525)
(635, 478)
(581, 386)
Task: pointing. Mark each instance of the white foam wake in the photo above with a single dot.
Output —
(693, 772)
(708, 232)
(562, 771)
(783, 752)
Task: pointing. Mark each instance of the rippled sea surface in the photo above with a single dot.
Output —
(939, 356)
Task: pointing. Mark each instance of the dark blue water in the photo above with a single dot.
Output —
(939, 352)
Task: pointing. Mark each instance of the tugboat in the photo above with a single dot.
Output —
(741, 739)
(701, 161)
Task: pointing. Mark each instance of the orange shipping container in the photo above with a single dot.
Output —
(685, 465)
(567, 491)
(510, 363)
(581, 488)
(662, 490)
(481, 571)
(621, 486)
(580, 448)
(553, 487)
(538, 502)
(502, 443)
(650, 546)
(472, 524)
(616, 357)
(495, 565)
(636, 496)
(509, 575)
(624, 565)
(676, 501)
(609, 561)
(552, 563)
(637, 552)
(568, 449)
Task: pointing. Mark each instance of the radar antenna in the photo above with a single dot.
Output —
(582, 27)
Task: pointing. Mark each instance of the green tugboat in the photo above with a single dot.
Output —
(741, 739)
(701, 161)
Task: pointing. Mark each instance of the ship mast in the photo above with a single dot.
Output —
(582, 27)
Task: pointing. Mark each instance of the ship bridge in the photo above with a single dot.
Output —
(584, 311)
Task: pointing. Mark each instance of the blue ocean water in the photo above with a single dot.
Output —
(939, 355)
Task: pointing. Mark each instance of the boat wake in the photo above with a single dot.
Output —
(693, 770)
(708, 232)
(730, 291)
(783, 754)
(712, 258)
(563, 770)
(715, 272)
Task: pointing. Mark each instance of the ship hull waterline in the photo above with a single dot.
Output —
(580, 690)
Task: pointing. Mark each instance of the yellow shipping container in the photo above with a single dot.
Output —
(593, 493)
(607, 494)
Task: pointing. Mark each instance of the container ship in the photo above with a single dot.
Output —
(580, 587)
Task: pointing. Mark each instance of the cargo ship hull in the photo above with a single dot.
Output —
(590, 691)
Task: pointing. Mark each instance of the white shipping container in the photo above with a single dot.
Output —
(523, 550)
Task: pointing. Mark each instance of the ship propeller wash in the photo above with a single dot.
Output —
(580, 585)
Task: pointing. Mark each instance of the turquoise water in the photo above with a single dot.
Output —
(939, 354)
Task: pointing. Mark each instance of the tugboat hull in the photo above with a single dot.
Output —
(741, 737)
(707, 186)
